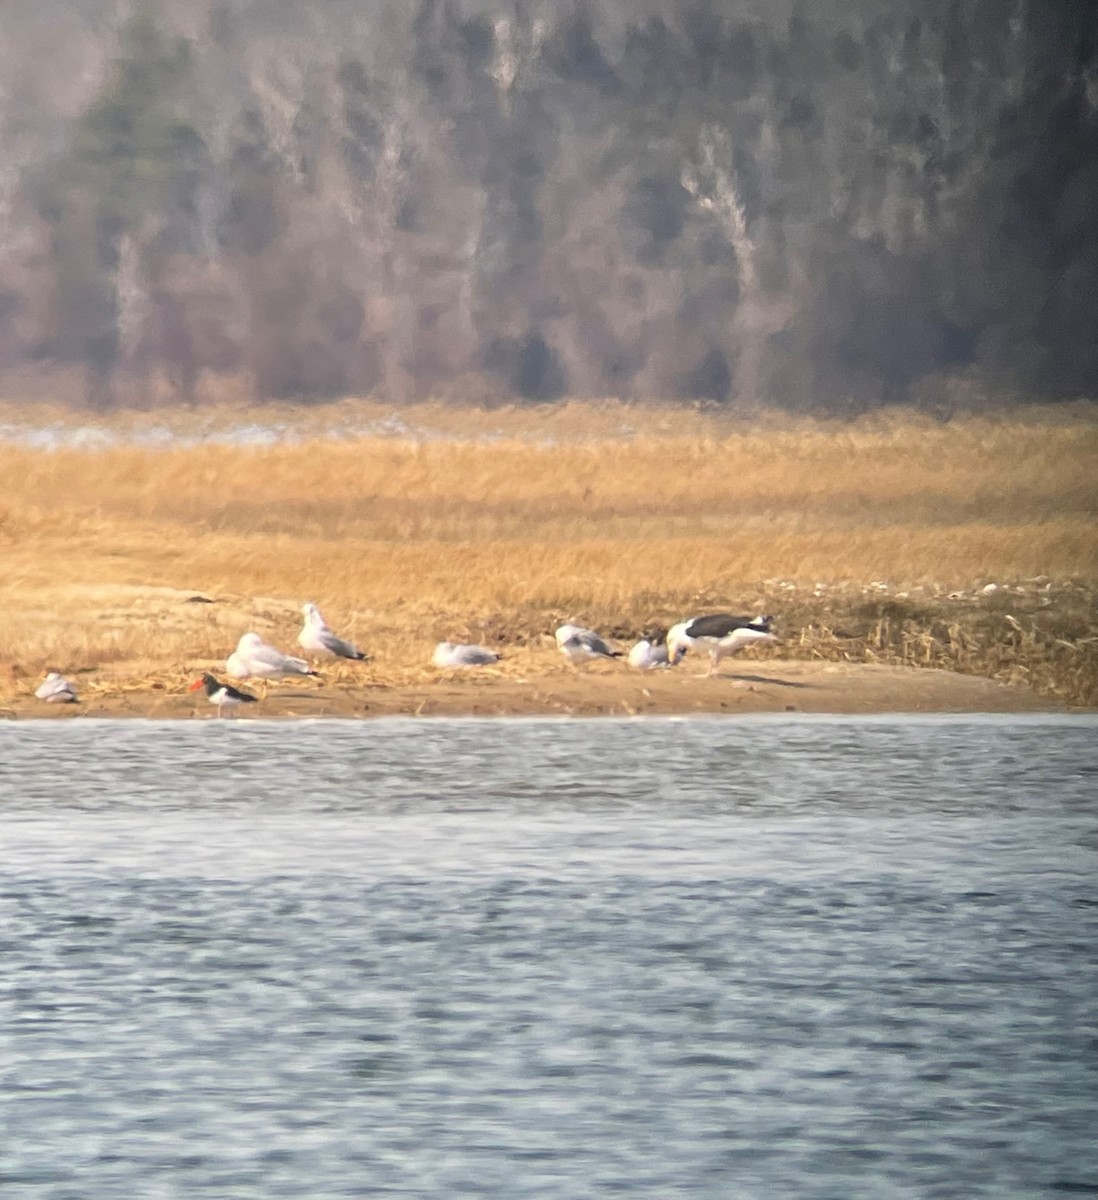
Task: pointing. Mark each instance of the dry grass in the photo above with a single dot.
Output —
(623, 518)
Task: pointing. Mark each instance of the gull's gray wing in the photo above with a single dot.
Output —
(337, 646)
(595, 644)
(273, 658)
(474, 656)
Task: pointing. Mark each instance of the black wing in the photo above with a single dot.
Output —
(721, 625)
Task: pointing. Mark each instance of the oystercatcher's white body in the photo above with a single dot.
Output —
(649, 656)
(317, 638)
(224, 695)
(254, 658)
(452, 654)
(581, 645)
(721, 634)
(56, 689)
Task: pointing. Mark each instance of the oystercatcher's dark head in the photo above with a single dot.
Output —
(207, 681)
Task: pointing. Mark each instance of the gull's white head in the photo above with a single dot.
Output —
(250, 641)
(443, 653)
(639, 656)
(677, 643)
(312, 613)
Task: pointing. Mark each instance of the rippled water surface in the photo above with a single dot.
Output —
(789, 957)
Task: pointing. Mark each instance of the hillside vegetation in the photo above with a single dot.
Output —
(831, 205)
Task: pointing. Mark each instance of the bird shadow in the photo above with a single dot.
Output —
(769, 679)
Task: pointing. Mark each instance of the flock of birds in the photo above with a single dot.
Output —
(720, 634)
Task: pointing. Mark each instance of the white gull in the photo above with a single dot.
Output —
(581, 645)
(56, 689)
(649, 656)
(254, 658)
(453, 654)
(317, 638)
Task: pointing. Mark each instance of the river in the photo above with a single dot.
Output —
(775, 957)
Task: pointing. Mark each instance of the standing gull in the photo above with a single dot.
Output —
(720, 634)
(254, 658)
(451, 654)
(581, 645)
(56, 689)
(317, 638)
(221, 694)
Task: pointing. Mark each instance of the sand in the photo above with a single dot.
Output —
(609, 689)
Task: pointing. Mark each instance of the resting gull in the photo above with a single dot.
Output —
(649, 655)
(317, 638)
(581, 645)
(254, 658)
(451, 654)
(56, 689)
(720, 634)
(224, 695)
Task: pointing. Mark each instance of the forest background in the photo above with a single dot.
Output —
(820, 207)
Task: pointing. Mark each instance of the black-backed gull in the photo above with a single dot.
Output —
(720, 634)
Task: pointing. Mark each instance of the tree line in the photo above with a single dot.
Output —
(833, 205)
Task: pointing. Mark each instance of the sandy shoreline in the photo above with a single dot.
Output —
(756, 687)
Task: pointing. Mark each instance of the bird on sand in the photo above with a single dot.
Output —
(721, 634)
(56, 689)
(581, 645)
(224, 695)
(316, 638)
(254, 658)
(649, 655)
(452, 654)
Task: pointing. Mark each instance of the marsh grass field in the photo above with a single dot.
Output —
(136, 549)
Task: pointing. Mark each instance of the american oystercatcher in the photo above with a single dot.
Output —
(254, 658)
(56, 689)
(720, 634)
(581, 645)
(224, 695)
(317, 638)
(451, 654)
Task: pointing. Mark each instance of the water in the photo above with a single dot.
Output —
(214, 431)
(783, 957)
(66, 435)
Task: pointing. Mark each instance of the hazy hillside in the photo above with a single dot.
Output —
(841, 202)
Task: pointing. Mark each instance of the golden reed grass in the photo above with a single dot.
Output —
(501, 524)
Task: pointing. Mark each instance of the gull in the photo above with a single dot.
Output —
(317, 638)
(255, 658)
(580, 645)
(452, 654)
(221, 694)
(720, 634)
(56, 689)
(649, 655)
